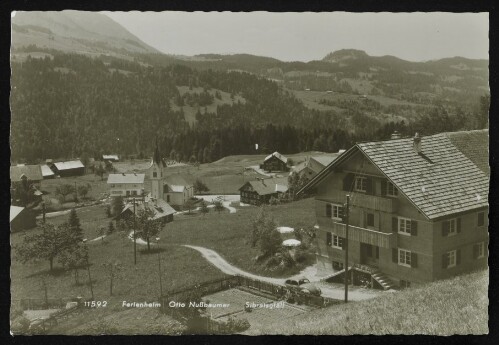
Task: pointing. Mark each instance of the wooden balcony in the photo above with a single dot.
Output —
(373, 202)
(373, 237)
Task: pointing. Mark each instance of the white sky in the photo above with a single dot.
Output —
(310, 36)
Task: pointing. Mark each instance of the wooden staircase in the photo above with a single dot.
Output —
(383, 280)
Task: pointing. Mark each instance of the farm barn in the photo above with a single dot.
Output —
(68, 168)
(275, 162)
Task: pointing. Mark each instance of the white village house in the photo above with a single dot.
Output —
(126, 185)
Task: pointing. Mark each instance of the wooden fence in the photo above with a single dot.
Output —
(272, 290)
(41, 303)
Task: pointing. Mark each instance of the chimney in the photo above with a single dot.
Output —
(416, 145)
(395, 135)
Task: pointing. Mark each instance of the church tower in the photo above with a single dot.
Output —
(156, 174)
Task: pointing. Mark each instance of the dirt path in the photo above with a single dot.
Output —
(328, 290)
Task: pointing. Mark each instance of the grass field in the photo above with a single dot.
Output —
(228, 233)
(181, 267)
(455, 306)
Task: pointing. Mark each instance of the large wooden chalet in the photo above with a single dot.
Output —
(260, 191)
(275, 162)
(418, 209)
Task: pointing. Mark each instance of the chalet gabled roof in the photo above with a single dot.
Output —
(278, 156)
(159, 207)
(32, 172)
(268, 186)
(440, 181)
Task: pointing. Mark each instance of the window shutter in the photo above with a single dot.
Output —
(341, 213)
(343, 243)
(369, 186)
(348, 182)
(329, 211)
(329, 238)
(414, 260)
(395, 255)
(445, 227)
(458, 256)
(377, 252)
(444, 261)
(395, 224)
(475, 251)
(383, 187)
(458, 221)
(414, 228)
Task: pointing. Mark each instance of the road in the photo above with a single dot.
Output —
(328, 289)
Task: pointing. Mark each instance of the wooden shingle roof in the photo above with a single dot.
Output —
(440, 181)
(32, 172)
(268, 186)
(446, 178)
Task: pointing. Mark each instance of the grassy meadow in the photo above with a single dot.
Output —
(454, 306)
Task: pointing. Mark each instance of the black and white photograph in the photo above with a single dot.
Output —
(251, 173)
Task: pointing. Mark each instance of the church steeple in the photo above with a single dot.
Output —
(157, 157)
(156, 173)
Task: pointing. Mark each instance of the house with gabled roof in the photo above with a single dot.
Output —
(417, 209)
(126, 185)
(161, 210)
(262, 190)
(32, 172)
(275, 162)
(312, 165)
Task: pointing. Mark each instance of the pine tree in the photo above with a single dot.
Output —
(110, 228)
(74, 224)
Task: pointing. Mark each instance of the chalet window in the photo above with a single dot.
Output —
(404, 284)
(391, 190)
(451, 227)
(404, 226)
(134, 192)
(481, 219)
(370, 219)
(337, 265)
(451, 258)
(337, 242)
(478, 250)
(112, 185)
(154, 174)
(405, 257)
(360, 184)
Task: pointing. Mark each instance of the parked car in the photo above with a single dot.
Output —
(302, 285)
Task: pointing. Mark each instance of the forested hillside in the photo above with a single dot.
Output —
(69, 105)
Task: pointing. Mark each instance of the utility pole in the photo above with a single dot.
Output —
(346, 247)
(90, 279)
(159, 269)
(134, 237)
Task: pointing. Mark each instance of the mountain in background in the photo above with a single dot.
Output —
(75, 32)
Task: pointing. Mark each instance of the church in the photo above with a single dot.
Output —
(173, 189)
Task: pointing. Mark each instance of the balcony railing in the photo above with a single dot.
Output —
(373, 237)
(374, 202)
